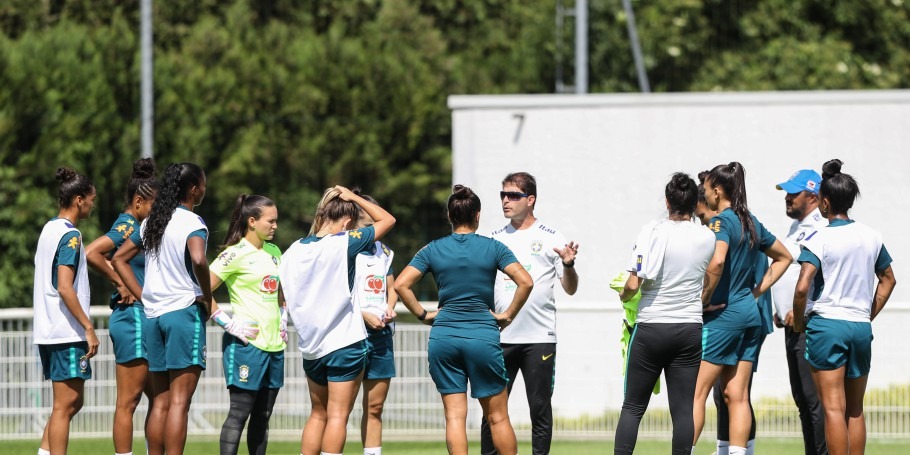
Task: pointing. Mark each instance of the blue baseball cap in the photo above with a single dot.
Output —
(803, 180)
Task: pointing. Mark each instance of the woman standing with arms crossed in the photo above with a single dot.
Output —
(377, 303)
(254, 370)
(731, 334)
(464, 341)
(840, 264)
(668, 265)
(127, 313)
(317, 276)
(61, 328)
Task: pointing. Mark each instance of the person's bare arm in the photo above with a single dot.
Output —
(121, 264)
(66, 276)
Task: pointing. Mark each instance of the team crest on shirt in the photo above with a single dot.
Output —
(244, 373)
(714, 225)
(269, 284)
(536, 246)
(73, 243)
(83, 364)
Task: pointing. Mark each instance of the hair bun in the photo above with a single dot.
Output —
(65, 174)
(144, 168)
(681, 180)
(831, 168)
(460, 191)
(702, 176)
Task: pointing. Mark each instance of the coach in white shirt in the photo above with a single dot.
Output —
(529, 343)
(802, 206)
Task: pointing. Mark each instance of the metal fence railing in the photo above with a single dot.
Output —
(413, 409)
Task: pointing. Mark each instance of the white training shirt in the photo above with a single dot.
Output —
(847, 254)
(169, 286)
(371, 291)
(53, 322)
(314, 278)
(671, 257)
(533, 247)
(782, 291)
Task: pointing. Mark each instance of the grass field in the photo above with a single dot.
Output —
(210, 446)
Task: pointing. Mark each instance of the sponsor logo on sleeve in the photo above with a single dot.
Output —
(73, 243)
(638, 262)
(356, 234)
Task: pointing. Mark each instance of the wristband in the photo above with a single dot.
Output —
(569, 265)
(422, 315)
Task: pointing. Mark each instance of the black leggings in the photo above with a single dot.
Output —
(674, 349)
(246, 403)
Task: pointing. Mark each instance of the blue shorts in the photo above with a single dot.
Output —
(60, 362)
(176, 340)
(730, 346)
(340, 365)
(833, 343)
(380, 354)
(454, 361)
(126, 332)
(250, 368)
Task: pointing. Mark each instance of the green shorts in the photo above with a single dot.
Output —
(64, 361)
(126, 332)
(455, 361)
(380, 356)
(340, 365)
(834, 343)
(730, 346)
(176, 340)
(250, 368)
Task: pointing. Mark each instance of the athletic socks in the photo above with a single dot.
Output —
(372, 451)
(128, 453)
(750, 447)
(723, 447)
(737, 450)
(327, 453)
(43, 452)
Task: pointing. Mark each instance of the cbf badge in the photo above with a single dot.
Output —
(83, 364)
(536, 246)
(244, 373)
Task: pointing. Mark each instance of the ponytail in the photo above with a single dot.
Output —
(175, 186)
(840, 189)
(332, 208)
(245, 208)
(732, 178)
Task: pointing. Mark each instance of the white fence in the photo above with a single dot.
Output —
(413, 409)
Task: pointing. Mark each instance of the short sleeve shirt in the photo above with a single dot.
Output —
(68, 253)
(464, 267)
(359, 240)
(738, 278)
(251, 276)
(126, 227)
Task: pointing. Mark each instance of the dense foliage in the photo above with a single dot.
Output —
(284, 98)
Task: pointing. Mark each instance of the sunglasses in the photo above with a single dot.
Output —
(513, 196)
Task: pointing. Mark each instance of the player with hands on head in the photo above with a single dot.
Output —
(61, 327)
(845, 281)
(317, 277)
(464, 341)
(254, 340)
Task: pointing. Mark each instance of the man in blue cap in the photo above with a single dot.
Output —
(802, 205)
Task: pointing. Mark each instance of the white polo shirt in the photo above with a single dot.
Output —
(533, 247)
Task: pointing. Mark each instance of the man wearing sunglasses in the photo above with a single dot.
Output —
(529, 343)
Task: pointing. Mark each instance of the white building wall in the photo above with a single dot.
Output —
(602, 161)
